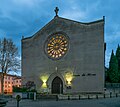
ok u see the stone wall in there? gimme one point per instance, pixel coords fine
(85, 56)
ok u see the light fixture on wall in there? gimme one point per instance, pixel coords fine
(44, 79)
(44, 85)
(69, 77)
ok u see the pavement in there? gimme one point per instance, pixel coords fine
(107, 102)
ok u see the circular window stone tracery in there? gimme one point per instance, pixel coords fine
(56, 46)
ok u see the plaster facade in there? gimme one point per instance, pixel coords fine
(84, 59)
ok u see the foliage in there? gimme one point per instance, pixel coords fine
(29, 87)
(30, 84)
(113, 69)
(19, 89)
(113, 73)
(22, 89)
(118, 56)
(9, 60)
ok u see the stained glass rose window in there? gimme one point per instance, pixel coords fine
(57, 46)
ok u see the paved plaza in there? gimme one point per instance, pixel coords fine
(108, 102)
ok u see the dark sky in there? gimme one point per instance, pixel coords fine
(25, 17)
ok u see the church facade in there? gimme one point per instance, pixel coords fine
(65, 56)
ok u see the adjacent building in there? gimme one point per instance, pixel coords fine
(9, 82)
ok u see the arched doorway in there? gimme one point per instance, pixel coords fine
(57, 86)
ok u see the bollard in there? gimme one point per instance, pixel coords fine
(96, 96)
(104, 95)
(110, 94)
(79, 97)
(56, 97)
(18, 98)
(34, 98)
(114, 90)
(88, 96)
(68, 97)
(116, 95)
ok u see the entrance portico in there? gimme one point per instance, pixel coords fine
(56, 83)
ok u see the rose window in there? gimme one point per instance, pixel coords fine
(57, 46)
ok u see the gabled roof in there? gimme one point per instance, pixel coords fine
(56, 18)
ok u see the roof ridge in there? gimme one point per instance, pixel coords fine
(86, 23)
(57, 17)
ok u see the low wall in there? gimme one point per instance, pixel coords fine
(22, 95)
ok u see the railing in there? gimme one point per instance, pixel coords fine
(112, 85)
(88, 96)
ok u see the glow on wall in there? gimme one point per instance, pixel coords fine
(44, 79)
(69, 77)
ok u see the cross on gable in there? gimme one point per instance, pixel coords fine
(56, 11)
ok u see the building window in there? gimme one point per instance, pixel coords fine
(5, 91)
(9, 78)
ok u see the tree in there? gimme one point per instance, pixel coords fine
(118, 56)
(9, 59)
(30, 84)
(113, 73)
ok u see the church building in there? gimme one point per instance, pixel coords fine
(65, 56)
